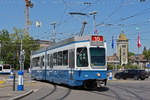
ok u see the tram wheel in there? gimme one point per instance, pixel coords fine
(90, 84)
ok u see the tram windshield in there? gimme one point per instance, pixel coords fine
(82, 57)
(6, 66)
(97, 56)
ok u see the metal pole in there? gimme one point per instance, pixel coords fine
(94, 27)
(21, 54)
(93, 14)
(25, 19)
(14, 81)
(139, 60)
(54, 31)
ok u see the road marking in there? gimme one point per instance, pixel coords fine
(1, 82)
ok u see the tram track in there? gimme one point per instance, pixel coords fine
(106, 94)
(54, 89)
(129, 93)
(60, 93)
(67, 94)
(142, 89)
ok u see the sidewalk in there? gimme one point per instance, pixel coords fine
(6, 88)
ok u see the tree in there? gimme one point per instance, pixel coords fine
(28, 44)
(10, 50)
(146, 54)
(5, 46)
(131, 54)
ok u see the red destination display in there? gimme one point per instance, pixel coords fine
(97, 38)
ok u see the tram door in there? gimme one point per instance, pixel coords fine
(71, 62)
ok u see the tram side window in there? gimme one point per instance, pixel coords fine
(42, 61)
(55, 59)
(48, 60)
(59, 58)
(51, 61)
(35, 62)
(82, 57)
(0, 68)
(65, 57)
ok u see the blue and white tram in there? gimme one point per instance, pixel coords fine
(77, 61)
(5, 68)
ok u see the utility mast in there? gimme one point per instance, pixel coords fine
(27, 21)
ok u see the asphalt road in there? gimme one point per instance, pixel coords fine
(115, 90)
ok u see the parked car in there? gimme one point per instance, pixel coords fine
(136, 74)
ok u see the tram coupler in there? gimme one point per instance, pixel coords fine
(101, 83)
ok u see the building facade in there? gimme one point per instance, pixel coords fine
(122, 49)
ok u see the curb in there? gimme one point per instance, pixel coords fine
(21, 96)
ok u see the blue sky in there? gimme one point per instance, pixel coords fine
(130, 13)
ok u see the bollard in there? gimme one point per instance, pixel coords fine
(20, 81)
(11, 74)
(14, 79)
(110, 75)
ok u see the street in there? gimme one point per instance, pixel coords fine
(115, 90)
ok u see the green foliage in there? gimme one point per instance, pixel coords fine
(119, 67)
(10, 49)
(130, 67)
(146, 53)
(110, 66)
(131, 54)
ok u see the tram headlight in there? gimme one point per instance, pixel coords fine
(98, 74)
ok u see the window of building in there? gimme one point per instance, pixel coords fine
(123, 46)
(124, 53)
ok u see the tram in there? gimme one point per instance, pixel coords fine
(77, 61)
(5, 69)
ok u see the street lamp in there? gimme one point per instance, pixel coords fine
(93, 13)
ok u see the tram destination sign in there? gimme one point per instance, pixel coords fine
(97, 41)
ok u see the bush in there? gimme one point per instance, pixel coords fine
(130, 67)
(110, 66)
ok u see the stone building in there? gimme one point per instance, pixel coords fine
(122, 49)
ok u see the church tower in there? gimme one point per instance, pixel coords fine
(122, 49)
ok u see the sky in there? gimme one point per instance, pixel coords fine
(112, 17)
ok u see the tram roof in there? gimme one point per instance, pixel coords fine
(63, 42)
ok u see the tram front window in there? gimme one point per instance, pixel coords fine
(97, 56)
(82, 57)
